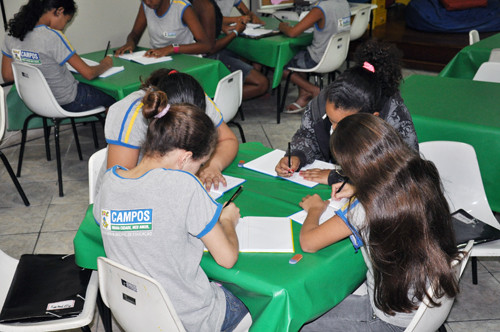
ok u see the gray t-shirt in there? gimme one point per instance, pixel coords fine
(227, 5)
(356, 217)
(153, 224)
(49, 50)
(337, 19)
(168, 29)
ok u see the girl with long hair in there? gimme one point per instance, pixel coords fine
(399, 217)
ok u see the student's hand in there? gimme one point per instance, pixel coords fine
(244, 19)
(257, 20)
(284, 27)
(228, 29)
(107, 62)
(211, 176)
(128, 47)
(282, 168)
(314, 202)
(159, 52)
(346, 192)
(230, 214)
(316, 175)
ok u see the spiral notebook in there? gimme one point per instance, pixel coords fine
(467, 228)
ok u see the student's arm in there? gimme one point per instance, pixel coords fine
(90, 72)
(205, 12)
(228, 30)
(221, 241)
(243, 9)
(236, 19)
(135, 35)
(123, 156)
(202, 44)
(313, 236)
(315, 15)
(7, 74)
(225, 152)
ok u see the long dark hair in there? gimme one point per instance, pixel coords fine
(183, 126)
(366, 88)
(29, 14)
(410, 235)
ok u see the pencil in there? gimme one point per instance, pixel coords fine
(107, 49)
(279, 19)
(342, 186)
(236, 194)
(289, 153)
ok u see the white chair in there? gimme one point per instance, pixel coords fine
(36, 94)
(463, 188)
(2, 156)
(488, 72)
(286, 15)
(473, 37)
(360, 23)
(494, 55)
(7, 271)
(228, 96)
(95, 163)
(334, 56)
(429, 319)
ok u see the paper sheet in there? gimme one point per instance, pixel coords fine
(140, 58)
(265, 234)
(231, 183)
(107, 73)
(300, 216)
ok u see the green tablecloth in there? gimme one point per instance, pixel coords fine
(274, 52)
(466, 63)
(207, 71)
(280, 296)
(460, 110)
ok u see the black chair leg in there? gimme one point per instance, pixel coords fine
(243, 140)
(242, 116)
(46, 134)
(14, 179)
(281, 105)
(58, 156)
(24, 133)
(105, 314)
(442, 328)
(94, 135)
(77, 140)
(86, 328)
(474, 269)
(278, 101)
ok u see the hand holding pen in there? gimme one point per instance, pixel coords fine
(107, 49)
(235, 195)
(342, 190)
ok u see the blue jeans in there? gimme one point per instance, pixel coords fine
(232, 62)
(87, 98)
(301, 60)
(235, 311)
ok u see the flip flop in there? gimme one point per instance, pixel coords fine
(298, 109)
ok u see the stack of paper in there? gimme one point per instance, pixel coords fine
(300, 216)
(231, 182)
(256, 32)
(265, 234)
(267, 163)
(109, 72)
(140, 58)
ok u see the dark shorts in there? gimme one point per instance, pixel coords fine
(87, 98)
(301, 60)
(235, 311)
(232, 62)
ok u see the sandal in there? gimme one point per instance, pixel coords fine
(295, 110)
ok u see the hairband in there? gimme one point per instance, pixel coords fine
(368, 66)
(163, 112)
(173, 71)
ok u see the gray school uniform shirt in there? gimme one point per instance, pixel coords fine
(337, 19)
(227, 5)
(168, 29)
(48, 50)
(154, 225)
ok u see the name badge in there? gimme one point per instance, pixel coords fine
(169, 35)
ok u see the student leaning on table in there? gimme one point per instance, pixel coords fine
(175, 214)
(126, 126)
(328, 18)
(173, 27)
(371, 86)
(399, 217)
(35, 37)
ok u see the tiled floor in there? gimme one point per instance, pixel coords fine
(50, 223)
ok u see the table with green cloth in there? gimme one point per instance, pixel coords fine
(207, 71)
(466, 63)
(279, 295)
(461, 110)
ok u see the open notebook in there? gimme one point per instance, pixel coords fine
(109, 72)
(265, 234)
(140, 58)
(231, 182)
(267, 163)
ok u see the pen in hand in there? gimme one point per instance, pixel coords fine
(107, 49)
(289, 152)
(236, 194)
(342, 186)
(279, 19)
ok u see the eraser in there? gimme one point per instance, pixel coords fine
(241, 163)
(295, 259)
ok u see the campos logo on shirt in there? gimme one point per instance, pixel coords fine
(26, 56)
(344, 22)
(127, 220)
(169, 34)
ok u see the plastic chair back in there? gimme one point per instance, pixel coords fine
(334, 56)
(95, 164)
(3, 116)
(431, 318)
(9, 266)
(495, 55)
(138, 302)
(286, 15)
(473, 37)
(36, 94)
(228, 94)
(488, 72)
(360, 23)
(303, 14)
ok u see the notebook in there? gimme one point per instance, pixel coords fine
(231, 182)
(265, 234)
(140, 58)
(334, 205)
(267, 163)
(107, 73)
(469, 228)
(257, 33)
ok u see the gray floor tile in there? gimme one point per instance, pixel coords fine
(55, 243)
(475, 326)
(39, 193)
(19, 244)
(19, 220)
(64, 217)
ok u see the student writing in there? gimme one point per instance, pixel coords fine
(35, 37)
